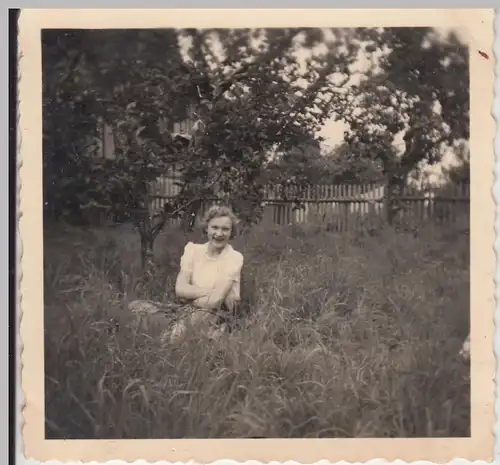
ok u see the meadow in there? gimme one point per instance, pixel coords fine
(344, 335)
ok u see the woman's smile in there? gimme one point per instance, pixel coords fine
(219, 231)
(220, 239)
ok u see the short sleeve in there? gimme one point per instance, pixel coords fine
(187, 259)
(235, 266)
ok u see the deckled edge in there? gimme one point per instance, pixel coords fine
(20, 397)
(495, 111)
(456, 461)
(256, 462)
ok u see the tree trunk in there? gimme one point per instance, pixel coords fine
(147, 237)
(395, 182)
(147, 251)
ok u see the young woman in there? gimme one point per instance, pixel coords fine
(210, 274)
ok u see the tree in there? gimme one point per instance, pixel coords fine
(412, 104)
(459, 172)
(295, 165)
(251, 95)
(69, 128)
(341, 165)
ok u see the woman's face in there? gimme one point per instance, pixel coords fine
(219, 231)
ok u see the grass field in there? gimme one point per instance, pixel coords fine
(348, 336)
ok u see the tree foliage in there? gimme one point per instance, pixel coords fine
(251, 92)
(459, 172)
(413, 103)
(343, 165)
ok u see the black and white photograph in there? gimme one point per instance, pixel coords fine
(257, 232)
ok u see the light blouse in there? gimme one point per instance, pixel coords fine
(205, 269)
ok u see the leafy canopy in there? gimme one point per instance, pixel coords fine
(413, 104)
(252, 93)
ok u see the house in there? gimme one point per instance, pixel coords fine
(107, 138)
(165, 185)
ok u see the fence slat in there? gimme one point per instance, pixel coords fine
(341, 207)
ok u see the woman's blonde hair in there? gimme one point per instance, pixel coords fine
(219, 211)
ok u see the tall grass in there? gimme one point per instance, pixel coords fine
(348, 336)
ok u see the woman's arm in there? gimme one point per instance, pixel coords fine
(216, 296)
(231, 302)
(221, 291)
(185, 290)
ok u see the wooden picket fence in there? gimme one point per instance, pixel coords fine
(344, 207)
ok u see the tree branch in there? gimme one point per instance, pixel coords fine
(165, 215)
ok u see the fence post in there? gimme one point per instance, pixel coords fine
(388, 200)
(346, 208)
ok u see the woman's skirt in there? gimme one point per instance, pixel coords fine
(173, 319)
